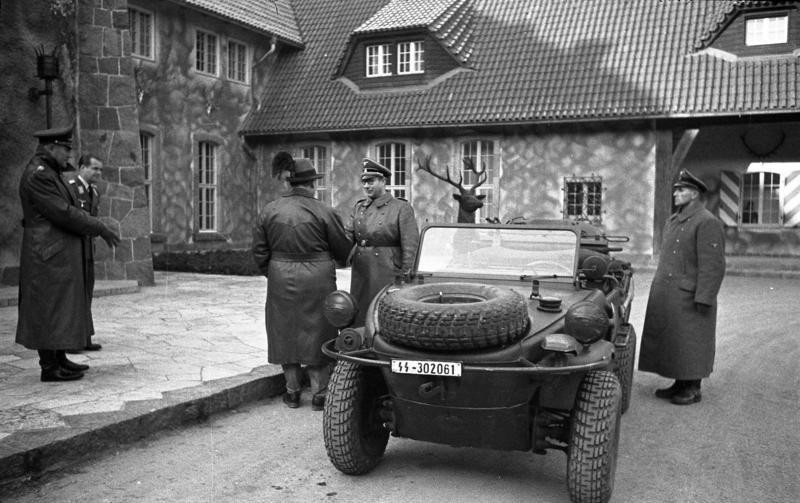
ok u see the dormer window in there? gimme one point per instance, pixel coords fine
(767, 30)
(410, 57)
(379, 60)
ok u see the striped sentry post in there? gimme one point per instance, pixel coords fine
(729, 198)
(791, 200)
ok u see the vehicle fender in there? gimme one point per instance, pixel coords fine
(560, 391)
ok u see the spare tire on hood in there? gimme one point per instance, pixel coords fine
(452, 316)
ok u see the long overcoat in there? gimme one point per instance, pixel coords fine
(88, 199)
(678, 341)
(386, 237)
(296, 244)
(51, 278)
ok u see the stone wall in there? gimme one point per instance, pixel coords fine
(108, 125)
(532, 167)
(95, 93)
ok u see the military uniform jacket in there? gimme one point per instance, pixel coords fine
(88, 199)
(51, 282)
(677, 341)
(296, 243)
(386, 237)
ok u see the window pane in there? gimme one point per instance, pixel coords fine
(766, 30)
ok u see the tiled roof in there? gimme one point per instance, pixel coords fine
(731, 10)
(273, 17)
(534, 61)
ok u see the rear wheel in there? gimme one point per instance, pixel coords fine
(624, 370)
(594, 438)
(355, 438)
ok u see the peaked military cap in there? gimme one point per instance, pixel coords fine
(373, 169)
(59, 136)
(686, 179)
(303, 171)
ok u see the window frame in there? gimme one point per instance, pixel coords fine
(246, 61)
(416, 57)
(761, 189)
(204, 33)
(491, 203)
(147, 144)
(398, 164)
(383, 66)
(762, 37)
(591, 199)
(151, 35)
(319, 158)
(206, 186)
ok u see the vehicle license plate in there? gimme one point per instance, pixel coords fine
(431, 368)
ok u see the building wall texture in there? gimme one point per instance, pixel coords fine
(95, 94)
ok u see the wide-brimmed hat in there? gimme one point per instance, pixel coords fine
(303, 171)
(372, 169)
(59, 136)
(686, 179)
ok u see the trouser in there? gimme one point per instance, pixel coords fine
(692, 384)
(51, 358)
(317, 374)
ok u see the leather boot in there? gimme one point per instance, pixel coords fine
(689, 394)
(52, 371)
(65, 363)
(292, 399)
(668, 393)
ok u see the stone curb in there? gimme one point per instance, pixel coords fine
(28, 454)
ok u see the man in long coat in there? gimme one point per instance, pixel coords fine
(52, 301)
(85, 194)
(385, 232)
(678, 340)
(296, 243)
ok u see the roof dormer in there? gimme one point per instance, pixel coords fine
(753, 29)
(408, 44)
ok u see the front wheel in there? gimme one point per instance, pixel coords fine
(594, 438)
(355, 438)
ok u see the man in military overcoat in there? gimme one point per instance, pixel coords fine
(297, 242)
(52, 301)
(678, 340)
(83, 183)
(386, 236)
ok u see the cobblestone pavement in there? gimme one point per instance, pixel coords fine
(184, 348)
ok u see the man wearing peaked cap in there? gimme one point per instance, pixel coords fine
(385, 232)
(52, 298)
(687, 179)
(372, 169)
(678, 340)
(297, 242)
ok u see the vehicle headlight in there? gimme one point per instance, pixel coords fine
(340, 308)
(586, 321)
(349, 339)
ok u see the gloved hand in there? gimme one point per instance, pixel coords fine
(110, 236)
(701, 308)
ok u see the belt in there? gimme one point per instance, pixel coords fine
(368, 242)
(300, 257)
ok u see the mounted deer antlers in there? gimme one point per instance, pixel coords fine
(468, 201)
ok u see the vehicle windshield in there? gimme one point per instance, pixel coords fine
(518, 252)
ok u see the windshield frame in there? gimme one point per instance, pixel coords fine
(567, 270)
